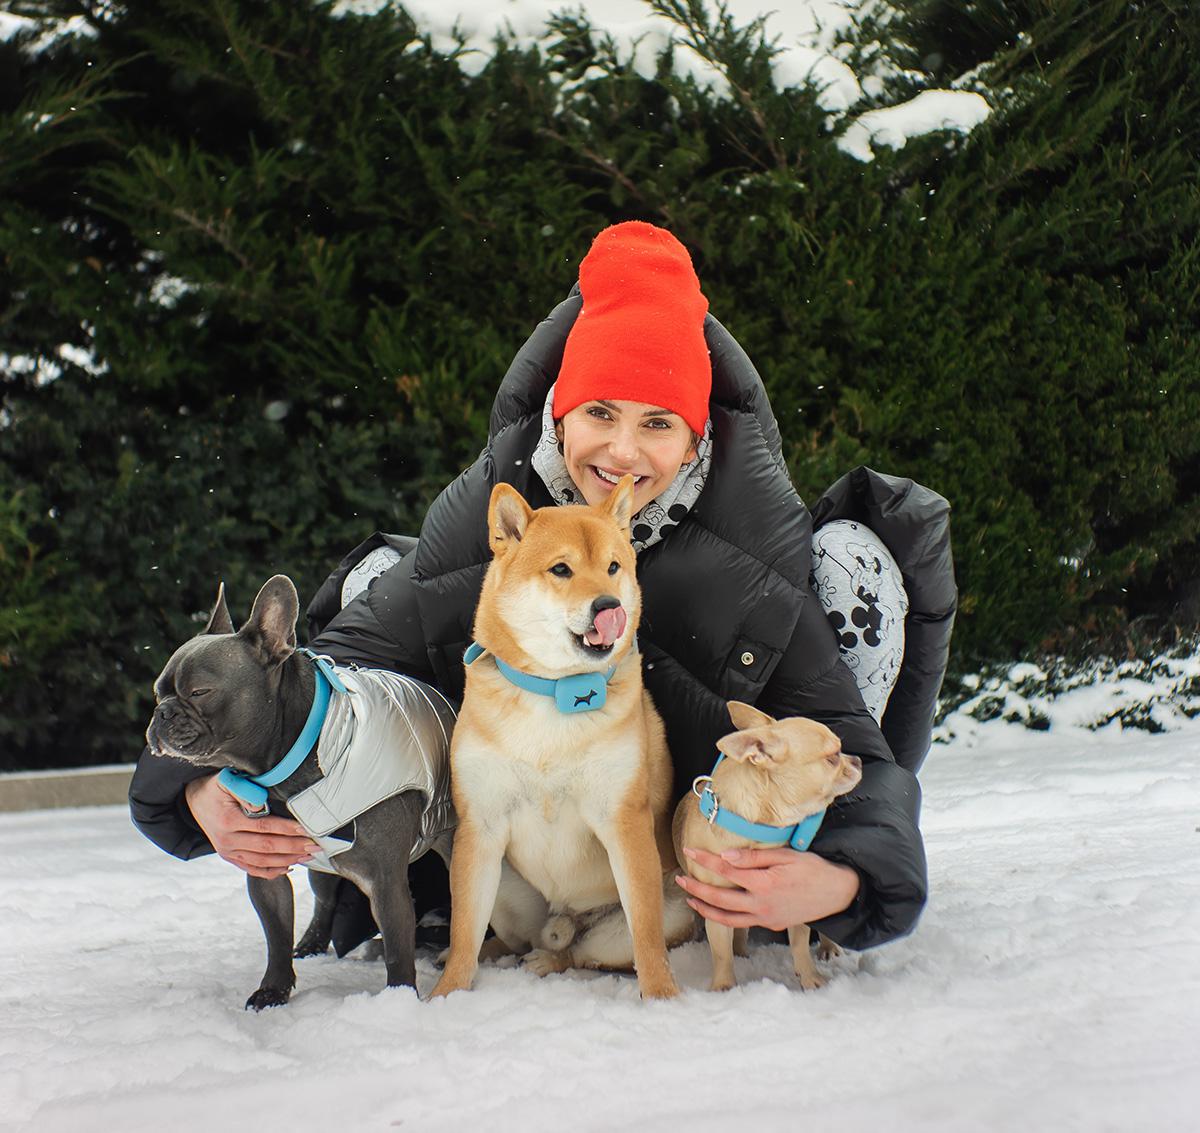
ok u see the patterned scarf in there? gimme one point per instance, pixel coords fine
(659, 516)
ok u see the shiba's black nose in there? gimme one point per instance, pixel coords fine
(604, 602)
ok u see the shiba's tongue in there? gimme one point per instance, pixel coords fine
(608, 626)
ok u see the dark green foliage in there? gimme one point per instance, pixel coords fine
(294, 253)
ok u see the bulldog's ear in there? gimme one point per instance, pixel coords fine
(747, 716)
(272, 624)
(508, 517)
(219, 620)
(744, 747)
(620, 503)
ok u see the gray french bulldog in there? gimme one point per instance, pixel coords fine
(239, 700)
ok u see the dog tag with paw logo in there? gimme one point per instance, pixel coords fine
(584, 692)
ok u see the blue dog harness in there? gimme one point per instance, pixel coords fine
(798, 837)
(580, 692)
(251, 790)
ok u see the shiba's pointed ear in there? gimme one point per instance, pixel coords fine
(219, 620)
(508, 516)
(620, 503)
(747, 716)
(745, 747)
(272, 624)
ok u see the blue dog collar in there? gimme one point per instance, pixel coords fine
(798, 837)
(251, 790)
(580, 692)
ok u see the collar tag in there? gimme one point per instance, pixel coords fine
(584, 692)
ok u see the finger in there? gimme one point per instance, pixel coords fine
(722, 916)
(261, 844)
(732, 900)
(246, 858)
(283, 826)
(762, 859)
(266, 872)
(744, 878)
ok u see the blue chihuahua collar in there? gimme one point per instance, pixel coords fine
(580, 692)
(798, 837)
(251, 790)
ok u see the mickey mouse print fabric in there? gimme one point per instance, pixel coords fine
(862, 592)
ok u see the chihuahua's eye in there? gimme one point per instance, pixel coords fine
(561, 570)
(613, 567)
(833, 760)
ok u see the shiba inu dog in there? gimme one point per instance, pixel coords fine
(559, 767)
(772, 784)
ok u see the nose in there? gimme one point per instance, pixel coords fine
(623, 447)
(604, 602)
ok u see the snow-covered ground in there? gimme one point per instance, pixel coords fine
(1053, 982)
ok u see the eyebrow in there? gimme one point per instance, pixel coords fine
(648, 413)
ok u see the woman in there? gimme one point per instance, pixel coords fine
(630, 375)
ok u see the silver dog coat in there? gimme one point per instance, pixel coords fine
(389, 735)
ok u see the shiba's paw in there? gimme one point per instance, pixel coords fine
(811, 982)
(721, 985)
(544, 963)
(658, 985)
(446, 985)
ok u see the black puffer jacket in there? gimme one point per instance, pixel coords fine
(727, 614)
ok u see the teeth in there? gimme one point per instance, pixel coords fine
(611, 478)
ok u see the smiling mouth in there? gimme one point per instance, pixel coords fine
(614, 478)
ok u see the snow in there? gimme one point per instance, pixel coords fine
(960, 111)
(806, 33)
(1052, 982)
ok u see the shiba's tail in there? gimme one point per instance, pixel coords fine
(558, 932)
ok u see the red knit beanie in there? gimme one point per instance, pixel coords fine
(640, 334)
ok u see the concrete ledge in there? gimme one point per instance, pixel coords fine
(83, 786)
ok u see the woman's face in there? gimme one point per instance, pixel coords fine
(605, 440)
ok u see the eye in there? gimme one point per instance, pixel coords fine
(598, 411)
(833, 760)
(196, 693)
(613, 567)
(659, 423)
(561, 570)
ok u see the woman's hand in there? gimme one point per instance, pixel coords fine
(263, 847)
(772, 888)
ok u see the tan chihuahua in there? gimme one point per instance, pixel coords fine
(770, 786)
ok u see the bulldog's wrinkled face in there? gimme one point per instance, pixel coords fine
(217, 699)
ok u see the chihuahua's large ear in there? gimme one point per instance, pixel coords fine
(744, 747)
(272, 624)
(747, 716)
(508, 516)
(620, 503)
(219, 620)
